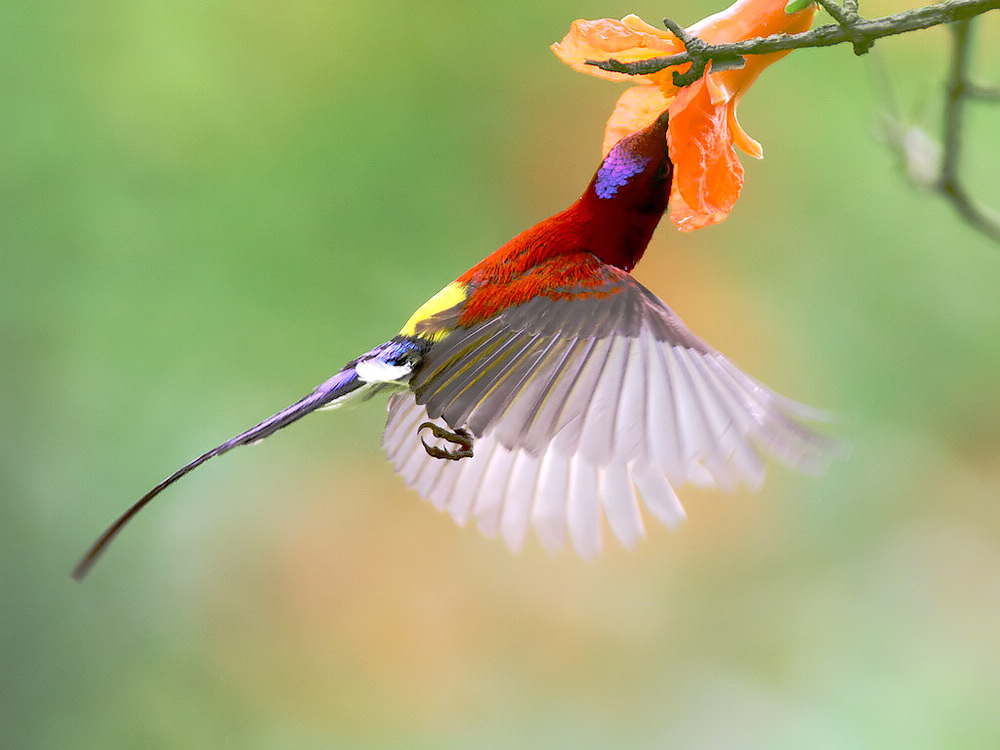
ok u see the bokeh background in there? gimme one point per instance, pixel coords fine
(207, 207)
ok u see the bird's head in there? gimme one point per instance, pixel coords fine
(637, 170)
(628, 195)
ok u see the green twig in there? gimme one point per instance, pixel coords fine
(957, 92)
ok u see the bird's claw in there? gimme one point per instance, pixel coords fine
(460, 438)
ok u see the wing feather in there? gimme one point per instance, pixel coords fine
(462, 497)
(548, 511)
(489, 499)
(471, 376)
(692, 428)
(658, 496)
(546, 422)
(530, 393)
(441, 489)
(506, 387)
(600, 404)
(663, 428)
(583, 508)
(412, 459)
(629, 436)
(573, 409)
(781, 432)
(719, 439)
(396, 430)
(517, 504)
(463, 345)
(746, 458)
(621, 507)
(587, 409)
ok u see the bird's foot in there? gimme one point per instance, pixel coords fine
(461, 438)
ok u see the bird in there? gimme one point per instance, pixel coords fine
(557, 392)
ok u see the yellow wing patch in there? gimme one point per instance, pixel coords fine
(451, 295)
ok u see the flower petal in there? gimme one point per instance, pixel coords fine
(637, 108)
(707, 173)
(606, 38)
(703, 124)
(746, 19)
(741, 138)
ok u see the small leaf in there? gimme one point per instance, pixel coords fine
(794, 6)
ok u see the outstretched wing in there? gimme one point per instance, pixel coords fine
(583, 407)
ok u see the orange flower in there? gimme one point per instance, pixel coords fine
(703, 125)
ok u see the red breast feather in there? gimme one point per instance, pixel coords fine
(568, 254)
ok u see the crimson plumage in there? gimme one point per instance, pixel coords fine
(581, 394)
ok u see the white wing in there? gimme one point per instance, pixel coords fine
(584, 408)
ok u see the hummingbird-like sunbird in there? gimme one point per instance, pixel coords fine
(555, 388)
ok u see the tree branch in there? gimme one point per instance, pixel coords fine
(917, 149)
(848, 19)
(934, 164)
(977, 91)
(850, 27)
(957, 91)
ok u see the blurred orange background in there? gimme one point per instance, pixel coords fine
(207, 208)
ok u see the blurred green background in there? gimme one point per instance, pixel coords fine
(207, 207)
